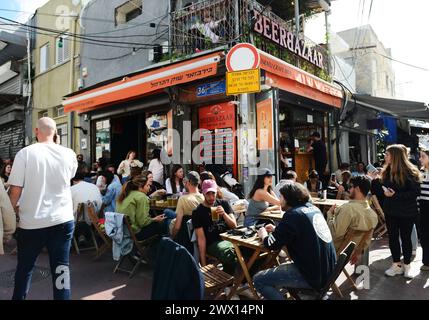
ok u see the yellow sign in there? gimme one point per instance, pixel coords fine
(245, 81)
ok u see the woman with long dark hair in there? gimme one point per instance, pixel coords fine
(5, 173)
(400, 181)
(156, 190)
(174, 184)
(424, 209)
(125, 166)
(134, 202)
(261, 197)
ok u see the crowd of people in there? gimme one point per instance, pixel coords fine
(47, 182)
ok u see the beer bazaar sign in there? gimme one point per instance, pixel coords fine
(286, 39)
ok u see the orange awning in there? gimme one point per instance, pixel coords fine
(287, 77)
(143, 84)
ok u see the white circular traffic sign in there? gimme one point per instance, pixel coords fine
(243, 56)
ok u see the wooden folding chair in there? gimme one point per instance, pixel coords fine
(342, 260)
(139, 246)
(357, 252)
(80, 219)
(381, 228)
(106, 241)
(215, 280)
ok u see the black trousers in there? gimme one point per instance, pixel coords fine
(400, 227)
(424, 230)
(155, 228)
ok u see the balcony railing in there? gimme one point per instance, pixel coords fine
(206, 25)
(218, 23)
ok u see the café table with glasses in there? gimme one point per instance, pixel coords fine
(277, 215)
(246, 237)
(158, 204)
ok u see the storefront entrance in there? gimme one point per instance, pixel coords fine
(141, 132)
(296, 124)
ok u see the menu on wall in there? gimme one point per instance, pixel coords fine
(217, 128)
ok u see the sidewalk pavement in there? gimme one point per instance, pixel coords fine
(96, 281)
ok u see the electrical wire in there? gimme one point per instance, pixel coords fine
(402, 62)
(60, 33)
(133, 25)
(342, 72)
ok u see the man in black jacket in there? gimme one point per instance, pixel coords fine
(305, 233)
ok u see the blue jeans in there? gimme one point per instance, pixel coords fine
(169, 216)
(57, 240)
(285, 275)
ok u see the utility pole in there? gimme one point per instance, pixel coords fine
(328, 46)
(296, 2)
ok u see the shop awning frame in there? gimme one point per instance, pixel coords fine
(144, 83)
(285, 76)
(402, 109)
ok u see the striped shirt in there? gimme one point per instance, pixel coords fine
(424, 193)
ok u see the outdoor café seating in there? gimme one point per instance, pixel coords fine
(342, 260)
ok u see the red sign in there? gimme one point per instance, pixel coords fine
(217, 129)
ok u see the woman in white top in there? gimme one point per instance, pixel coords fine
(174, 184)
(125, 166)
(7, 218)
(156, 167)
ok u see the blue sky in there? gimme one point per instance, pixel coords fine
(20, 5)
(11, 5)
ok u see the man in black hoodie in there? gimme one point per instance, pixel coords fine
(305, 233)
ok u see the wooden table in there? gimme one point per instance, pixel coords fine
(259, 252)
(277, 215)
(328, 202)
(162, 208)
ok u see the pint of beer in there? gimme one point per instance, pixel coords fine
(215, 215)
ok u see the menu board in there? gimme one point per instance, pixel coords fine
(217, 128)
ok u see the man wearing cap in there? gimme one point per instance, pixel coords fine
(187, 203)
(208, 230)
(319, 154)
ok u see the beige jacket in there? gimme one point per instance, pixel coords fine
(355, 215)
(8, 217)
